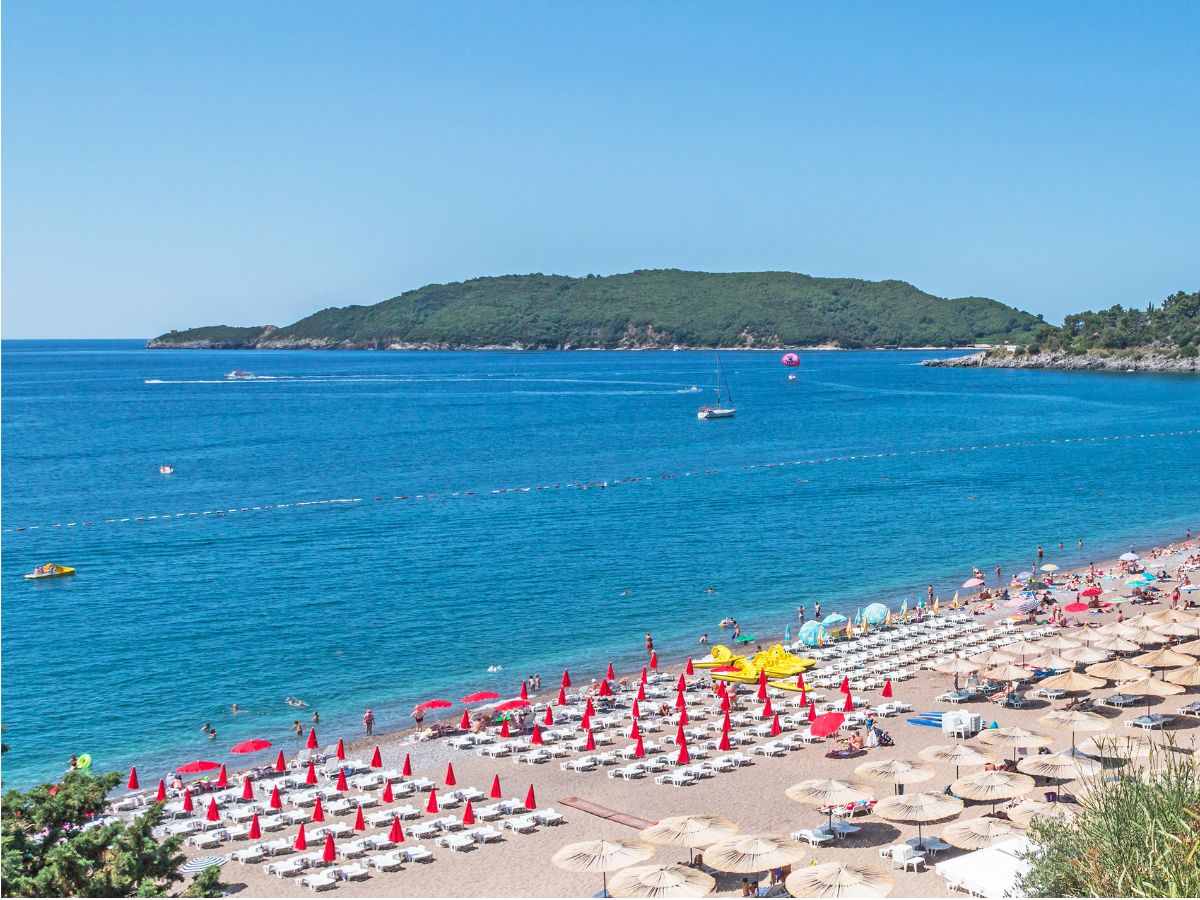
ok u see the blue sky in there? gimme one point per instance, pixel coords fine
(179, 164)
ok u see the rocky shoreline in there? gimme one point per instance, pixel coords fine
(1141, 362)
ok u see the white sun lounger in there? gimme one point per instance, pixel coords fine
(521, 824)
(319, 881)
(288, 868)
(390, 862)
(548, 816)
(249, 854)
(458, 842)
(419, 853)
(352, 873)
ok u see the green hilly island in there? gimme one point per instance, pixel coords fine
(650, 309)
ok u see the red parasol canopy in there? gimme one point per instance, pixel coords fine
(530, 800)
(591, 741)
(726, 724)
(510, 705)
(247, 788)
(200, 765)
(311, 743)
(654, 661)
(318, 813)
(767, 710)
(340, 753)
(605, 690)
(360, 822)
(689, 669)
(188, 805)
(1091, 592)
(341, 781)
(223, 779)
(887, 688)
(825, 725)
(723, 744)
(639, 749)
(680, 737)
(254, 746)
(255, 831)
(480, 696)
(589, 709)
(680, 701)
(641, 694)
(432, 805)
(681, 684)
(213, 814)
(161, 796)
(465, 722)
(645, 676)
(548, 719)
(406, 770)
(311, 777)
(848, 706)
(812, 711)
(396, 834)
(276, 801)
(634, 732)
(301, 842)
(434, 704)
(776, 728)
(496, 793)
(450, 779)
(280, 763)
(504, 729)
(845, 687)
(610, 674)
(725, 703)
(1076, 607)
(376, 758)
(562, 697)
(524, 695)
(329, 854)
(566, 679)
(388, 794)
(536, 737)
(468, 816)
(635, 710)
(132, 784)
(684, 757)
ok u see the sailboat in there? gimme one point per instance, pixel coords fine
(719, 411)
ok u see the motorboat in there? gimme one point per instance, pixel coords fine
(239, 375)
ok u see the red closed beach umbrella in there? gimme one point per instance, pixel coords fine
(654, 661)
(887, 688)
(376, 758)
(804, 696)
(360, 821)
(762, 690)
(645, 676)
(585, 723)
(450, 780)
(548, 719)
(311, 743)
(468, 816)
(591, 741)
(524, 695)
(161, 796)
(188, 805)
(396, 834)
(636, 710)
(566, 679)
(605, 690)
(465, 722)
(388, 794)
(247, 788)
(311, 777)
(536, 737)
(588, 708)
(610, 674)
(329, 854)
(812, 711)
(276, 802)
(776, 728)
(504, 731)
(280, 763)
(726, 724)
(432, 805)
(407, 769)
(634, 732)
(530, 800)
(301, 842)
(255, 831)
(767, 710)
(723, 744)
(562, 697)
(684, 757)
(690, 669)
(223, 779)
(683, 716)
(255, 746)
(199, 765)
(641, 694)
(132, 784)
(845, 687)
(724, 703)
(340, 753)
(213, 814)
(680, 701)
(681, 684)
(341, 781)
(495, 793)
(639, 749)
(848, 706)
(800, 682)
(680, 737)
(318, 813)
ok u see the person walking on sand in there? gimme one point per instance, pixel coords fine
(368, 723)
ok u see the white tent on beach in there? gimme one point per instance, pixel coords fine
(988, 873)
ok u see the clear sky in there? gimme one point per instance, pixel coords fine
(179, 164)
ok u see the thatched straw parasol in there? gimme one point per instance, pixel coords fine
(1014, 736)
(1057, 642)
(1115, 644)
(753, 853)
(839, 879)
(918, 808)
(1189, 675)
(992, 786)
(1149, 686)
(1191, 648)
(1176, 615)
(690, 831)
(1163, 657)
(957, 755)
(895, 771)
(993, 658)
(1071, 681)
(956, 666)
(1117, 670)
(1085, 655)
(1177, 629)
(1052, 661)
(601, 856)
(828, 792)
(1027, 810)
(1009, 672)
(1144, 636)
(661, 881)
(1063, 766)
(1073, 720)
(1124, 746)
(981, 832)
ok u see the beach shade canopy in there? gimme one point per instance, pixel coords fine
(661, 881)
(1116, 644)
(1008, 672)
(895, 771)
(1129, 557)
(1074, 720)
(1057, 642)
(973, 583)
(991, 786)
(1076, 607)
(980, 832)
(956, 665)
(1027, 810)
(829, 792)
(601, 856)
(1145, 636)
(1149, 686)
(480, 696)
(434, 704)
(1091, 592)
(311, 743)
(839, 879)
(1122, 746)
(1059, 765)
(509, 705)
(875, 613)
(1188, 676)
(1176, 629)
(1191, 648)
(1049, 567)
(199, 765)
(753, 853)
(1051, 660)
(1117, 670)
(254, 746)
(329, 853)
(1163, 657)
(198, 864)
(1014, 736)
(280, 763)
(1087, 655)
(957, 755)
(690, 831)
(827, 724)
(919, 808)
(1022, 604)
(1177, 615)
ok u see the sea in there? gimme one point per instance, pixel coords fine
(376, 529)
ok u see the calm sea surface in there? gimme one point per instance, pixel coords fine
(384, 602)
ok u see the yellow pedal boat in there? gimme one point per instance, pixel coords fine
(50, 570)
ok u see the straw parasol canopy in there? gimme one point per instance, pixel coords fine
(895, 771)
(1052, 661)
(1074, 720)
(920, 808)
(1085, 654)
(981, 832)
(1009, 672)
(1124, 746)
(1117, 670)
(1143, 636)
(753, 853)
(601, 856)
(839, 879)
(1022, 648)
(1059, 765)
(825, 791)
(1177, 629)
(1027, 810)
(661, 881)
(993, 658)
(1176, 615)
(991, 786)
(1116, 644)
(1057, 642)
(1014, 736)
(1163, 657)
(690, 831)
(1071, 681)
(1152, 687)
(957, 755)
(1192, 648)
(1188, 676)
(956, 665)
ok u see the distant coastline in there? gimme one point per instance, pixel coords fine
(1145, 360)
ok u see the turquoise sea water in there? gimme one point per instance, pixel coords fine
(385, 602)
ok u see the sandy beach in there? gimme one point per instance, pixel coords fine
(752, 795)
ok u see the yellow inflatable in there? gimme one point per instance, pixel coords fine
(720, 656)
(775, 661)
